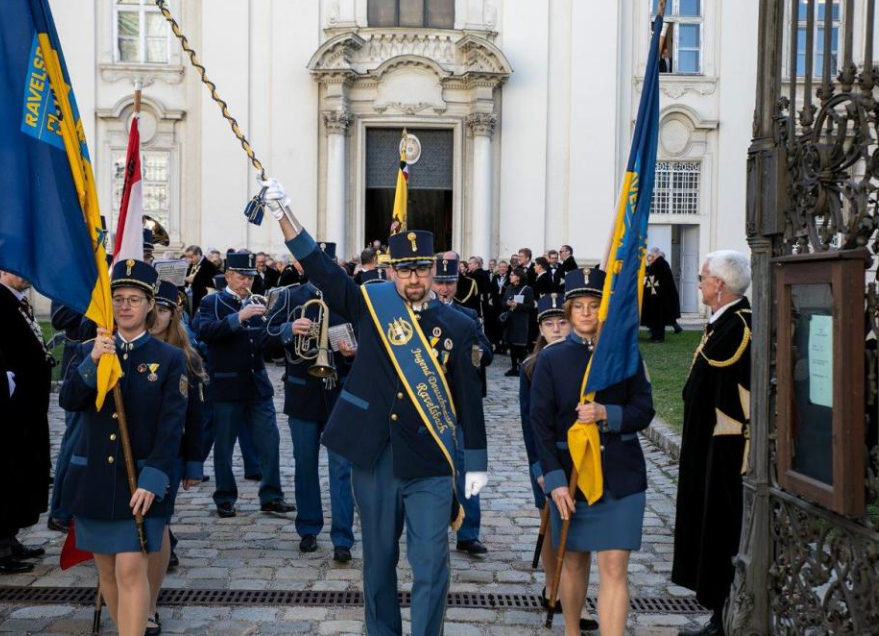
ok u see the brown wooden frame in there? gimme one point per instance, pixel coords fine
(844, 272)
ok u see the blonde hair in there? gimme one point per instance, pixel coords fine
(176, 335)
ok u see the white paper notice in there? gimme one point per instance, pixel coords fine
(821, 360)
(519, 299)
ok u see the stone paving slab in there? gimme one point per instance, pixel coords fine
(259, 551)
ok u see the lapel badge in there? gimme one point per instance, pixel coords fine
(153, 367)
(447, 344)
(437, 332)
(141, 368)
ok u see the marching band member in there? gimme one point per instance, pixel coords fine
(612, 524)
(308, 402)
(234, 331)
(396, 419)
(444, 285)
(155, 389)
(188, 469)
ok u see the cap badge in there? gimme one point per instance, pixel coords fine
(323, 247)
(129, 264)
(411, 238)
(586, 272)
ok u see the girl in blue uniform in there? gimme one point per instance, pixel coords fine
(154, 388)
(170, 327)
(612, 525)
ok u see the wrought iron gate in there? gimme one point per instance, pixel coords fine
(813, 184)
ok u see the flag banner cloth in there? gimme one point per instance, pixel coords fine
(129, 232)
(616, 353)
(402, 193)
(50, 224)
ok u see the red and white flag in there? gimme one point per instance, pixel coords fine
(129, 229)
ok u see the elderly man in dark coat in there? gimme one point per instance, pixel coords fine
(713, 449)
(24, 453)
(661, 303)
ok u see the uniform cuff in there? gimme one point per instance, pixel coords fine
(193, 470)
(88, 371)
(554, 479)
(302, 245)
(536, 471)
(476, 461)
(614, 417)
(234, 322)
(154, 480)
(287, 333)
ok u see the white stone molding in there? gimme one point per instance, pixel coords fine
(336, 121)
(481, 124)
(674, 86)
(147, 73)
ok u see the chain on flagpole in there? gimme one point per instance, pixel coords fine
(233, 123)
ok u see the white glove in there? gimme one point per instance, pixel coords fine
(473, 483)
(10, 377)
(276, 197)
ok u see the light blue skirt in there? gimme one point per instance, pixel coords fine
(608, 524)
(112, 537)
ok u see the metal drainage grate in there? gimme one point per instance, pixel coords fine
(86, 596)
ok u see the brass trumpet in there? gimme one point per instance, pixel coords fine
(159, 233)
(315, 345)
(256, 299)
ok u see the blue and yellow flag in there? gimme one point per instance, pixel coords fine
(616, 354)
(50, 224)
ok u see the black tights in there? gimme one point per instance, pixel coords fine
(517, 355)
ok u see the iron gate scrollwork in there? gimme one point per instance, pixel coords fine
(813, 186)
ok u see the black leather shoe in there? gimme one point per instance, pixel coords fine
(588, 625)
(20, 551)
(174, 561)
(226, 510)
(253, 477)
(512, 373)
(11, 565)
(544, 602)
(711, 629)
(205, 478)
(341, 555)
(308, 543)
(154, 625)
(471, 547)
(278, 506)
(58, 525)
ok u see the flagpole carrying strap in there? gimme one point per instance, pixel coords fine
(193, 58)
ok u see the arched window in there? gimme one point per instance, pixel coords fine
(436, 14)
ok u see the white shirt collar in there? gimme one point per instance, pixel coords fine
(135, 339)
(18, 294)
(717, 314)
(232, 293)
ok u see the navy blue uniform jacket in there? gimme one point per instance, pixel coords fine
(235, 360)
(555, 393)
(96, 485)
(305, 396)
(373, 408)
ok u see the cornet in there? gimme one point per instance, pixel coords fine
(315, 345)
(256, 299)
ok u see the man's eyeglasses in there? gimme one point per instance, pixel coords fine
(701, 278)
(132, 301)
(422, 271)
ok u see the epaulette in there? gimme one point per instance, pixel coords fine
(743, 345)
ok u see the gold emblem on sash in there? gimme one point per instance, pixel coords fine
(399, 332)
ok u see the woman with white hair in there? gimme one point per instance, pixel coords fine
(716, 407)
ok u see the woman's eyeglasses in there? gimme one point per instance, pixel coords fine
(131, 301)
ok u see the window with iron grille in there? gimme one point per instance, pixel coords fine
(435, 14)
(141, 33)
(818, 39)
(676, 187)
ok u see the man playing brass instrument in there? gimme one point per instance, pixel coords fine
(412, 383)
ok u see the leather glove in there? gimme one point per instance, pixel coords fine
(473, 483)
(276, 197)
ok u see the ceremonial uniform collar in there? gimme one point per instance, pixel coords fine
(573, 337)
(229, 291)
(19, 295)
(717, 314)
(431, 303)
(131, 345)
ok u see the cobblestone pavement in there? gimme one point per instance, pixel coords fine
(258, 551)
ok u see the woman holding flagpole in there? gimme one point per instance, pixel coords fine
(154, 390)
(607, 510)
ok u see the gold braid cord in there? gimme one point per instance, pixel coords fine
(746, 340)
(236, 129)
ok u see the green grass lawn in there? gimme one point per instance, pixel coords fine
(668, 365)
(58, 351)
